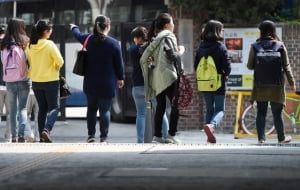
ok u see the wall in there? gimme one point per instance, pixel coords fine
(195, 112)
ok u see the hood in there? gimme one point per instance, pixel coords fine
(42, 43)
(208, 48)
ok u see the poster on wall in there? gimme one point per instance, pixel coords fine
(238, 42)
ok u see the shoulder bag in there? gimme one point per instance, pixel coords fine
(79, 66)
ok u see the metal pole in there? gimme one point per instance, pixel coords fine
(15, 9)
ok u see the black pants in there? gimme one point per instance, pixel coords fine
(161, 109)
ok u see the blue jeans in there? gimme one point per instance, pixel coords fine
(47, 96)
(104, 106)
(215, 107)
(17, 93)
(138, 94)
(262, 108)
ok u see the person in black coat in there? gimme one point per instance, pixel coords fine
(104, 74)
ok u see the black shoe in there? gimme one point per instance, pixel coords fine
(103, 140)
(21, 139)
(91, 139)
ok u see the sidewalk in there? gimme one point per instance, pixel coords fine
(75, 131)
(71, 163)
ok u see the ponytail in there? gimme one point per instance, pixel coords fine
(151, 32)
(101, 23)
(34, 37)
(38, 29)
(158, 24)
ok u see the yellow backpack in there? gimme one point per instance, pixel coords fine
(208, 78)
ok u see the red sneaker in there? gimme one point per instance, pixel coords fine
(209, 131)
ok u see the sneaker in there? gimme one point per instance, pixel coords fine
(209, 131)
(287, 139)
(91, 139)
(46, 136)
(158, 140)
(30, 139)
(21, 139)
(103, 140)
(14, 140)
(261, 141)
(172, 140)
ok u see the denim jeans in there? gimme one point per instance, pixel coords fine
(262, 108)
(17, 93)
(138, 94)
(161, 110)
(47, 96)
(104, 106)
(215, 107)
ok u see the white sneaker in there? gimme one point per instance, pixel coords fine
(172, 139)
(158, 140)
(287, 139)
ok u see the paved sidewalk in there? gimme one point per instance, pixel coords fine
(70, 163)
(74, 130)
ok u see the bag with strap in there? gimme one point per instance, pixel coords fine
(79, 66)
(268, 70)
(184, 92)
(15, 67)
(208, 78)
(64, 88)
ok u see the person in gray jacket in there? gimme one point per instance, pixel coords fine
(160, 75)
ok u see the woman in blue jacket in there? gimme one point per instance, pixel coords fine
(211, 44)
(104, 74)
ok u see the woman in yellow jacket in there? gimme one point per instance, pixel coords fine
(45, 62)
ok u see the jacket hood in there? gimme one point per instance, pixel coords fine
(42, 43)
(208, 47)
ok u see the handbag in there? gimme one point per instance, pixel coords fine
(64, 88)
(81, 59)
(184, 94)
(184, 91)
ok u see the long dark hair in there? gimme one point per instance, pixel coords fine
(267, 29)
(212, 31)
(38, 29)
(158, 24)
(101, 23)
(15, 34)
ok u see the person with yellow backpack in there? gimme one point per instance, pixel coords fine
(212, 65)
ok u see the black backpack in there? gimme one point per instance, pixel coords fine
(268, 70)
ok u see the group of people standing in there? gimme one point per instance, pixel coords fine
(155, 77)
(38, 62)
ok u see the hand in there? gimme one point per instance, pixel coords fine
(293, 88)
(181, 49)
(120, 83)
(71, 26)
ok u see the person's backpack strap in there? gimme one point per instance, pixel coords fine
(275, 46)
